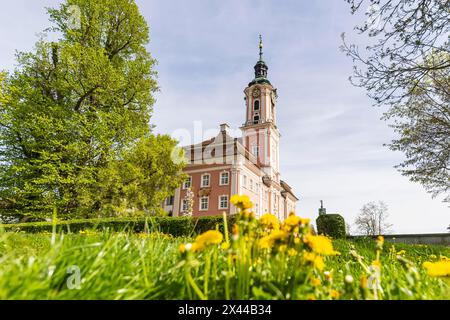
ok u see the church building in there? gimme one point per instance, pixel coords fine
(223, 166)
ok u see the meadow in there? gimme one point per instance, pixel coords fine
(254, 259)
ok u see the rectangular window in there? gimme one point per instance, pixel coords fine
(256, 208)
(275, 208)
(206, 180)
(204, 203)
(187, 183)
(224, 178)
(244, 181)
(255, 151)
(251, 184)
(169, 201)
(223, 202)
(185, 205)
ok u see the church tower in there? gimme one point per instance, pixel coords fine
(260, 133)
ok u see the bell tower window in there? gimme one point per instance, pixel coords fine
(256, 119)
(256, 106)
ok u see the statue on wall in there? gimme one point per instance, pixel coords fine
(322, 210)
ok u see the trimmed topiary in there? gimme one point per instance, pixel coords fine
(332, 225)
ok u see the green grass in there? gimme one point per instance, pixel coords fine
(397, 283)
(127, 266)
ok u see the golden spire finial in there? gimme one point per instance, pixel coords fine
(260, 47)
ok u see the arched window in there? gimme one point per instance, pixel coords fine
(256, 105)
(256, 119)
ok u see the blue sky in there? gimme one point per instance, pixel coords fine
(332, 138)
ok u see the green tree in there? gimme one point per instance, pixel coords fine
(140, 182)
(422, 124)
(405, 66)
(75, 107)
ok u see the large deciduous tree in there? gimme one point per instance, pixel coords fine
(372, 220)
(75, 108)
(406, 67)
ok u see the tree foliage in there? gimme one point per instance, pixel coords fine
(140, 182)
(372, 219)
(74, 107)
(406, 67)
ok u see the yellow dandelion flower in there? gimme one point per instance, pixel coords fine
(304, 222)
(364, 282)
(278, 235)
(182, 248)
(292, 252)
(316, 282)
(401, 252)
(318, 263)
(241, 201)
(265, 243)
(197, 247)
(235, 229)
(376, 263)
(269, 221)
(311, 297)
(309, 256)
(143, 235)
(209, 237)
(380, 242)
(334, 294)
(314, 259)
(291, 221)
(438, 269)
(320, 244)
(248, 214)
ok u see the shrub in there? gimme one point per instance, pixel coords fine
(209, 223)
(177, 227)
(332, 225)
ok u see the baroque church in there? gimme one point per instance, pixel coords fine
(223, 166)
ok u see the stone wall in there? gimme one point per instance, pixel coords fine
(430, 238)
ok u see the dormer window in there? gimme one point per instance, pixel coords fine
(256, 106)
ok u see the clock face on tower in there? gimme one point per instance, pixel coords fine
(256, 93)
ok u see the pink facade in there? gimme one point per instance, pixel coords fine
(215, 189)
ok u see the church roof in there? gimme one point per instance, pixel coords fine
(287, 188)
(223, 143)
(259, 80)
